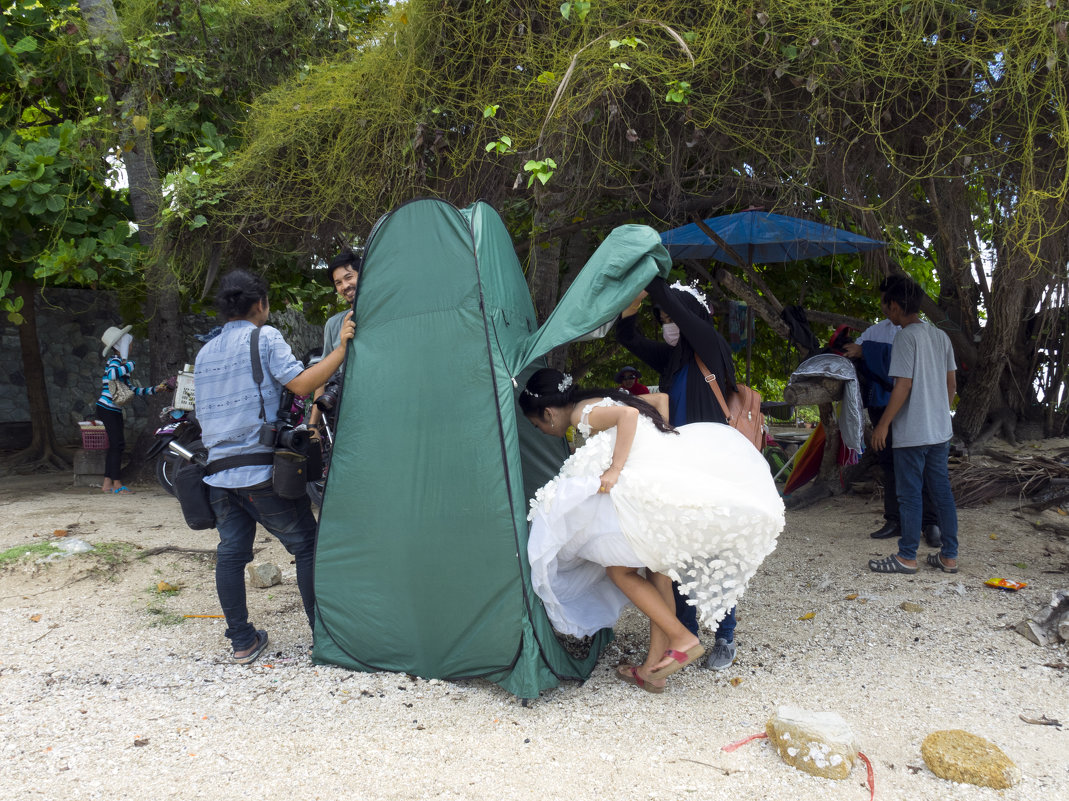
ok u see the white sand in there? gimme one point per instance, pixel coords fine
(87, 672)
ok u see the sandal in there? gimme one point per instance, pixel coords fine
(680, 659)
(889, 565)
(630, 676)
(257, 649)
(124, 490)
(936, 560)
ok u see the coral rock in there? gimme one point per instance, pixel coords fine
(819, 743)
(959, 756)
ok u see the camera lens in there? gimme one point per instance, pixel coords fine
(295, 439)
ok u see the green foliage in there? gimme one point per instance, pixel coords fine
(20, 553)
(542, 170)
(581, 9)
(59, 222)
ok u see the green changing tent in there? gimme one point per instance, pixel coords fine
(421, 563)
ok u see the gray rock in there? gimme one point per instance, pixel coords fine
(819, 743)
(263, 574)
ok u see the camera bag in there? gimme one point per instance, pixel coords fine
(289, 473)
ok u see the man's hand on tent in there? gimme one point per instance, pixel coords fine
(348, 330)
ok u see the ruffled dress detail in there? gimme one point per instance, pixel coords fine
(699, 506)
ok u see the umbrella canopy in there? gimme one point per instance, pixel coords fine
(758, 237)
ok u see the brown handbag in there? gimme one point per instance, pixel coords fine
(743, 412)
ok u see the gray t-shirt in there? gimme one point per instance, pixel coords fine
(332, 331)
(923, 353)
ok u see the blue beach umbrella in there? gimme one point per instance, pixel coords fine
(759, 237)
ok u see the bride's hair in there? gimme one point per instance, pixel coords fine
(548, 388)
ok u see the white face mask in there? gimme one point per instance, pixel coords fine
(670, 332)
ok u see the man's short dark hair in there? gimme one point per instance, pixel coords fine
(239, 291)
(906, 293)
(347, 258)
(891, 280)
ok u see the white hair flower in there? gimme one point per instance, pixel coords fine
(692, 289)
(564, 383)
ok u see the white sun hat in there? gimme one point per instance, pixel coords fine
(112, 336)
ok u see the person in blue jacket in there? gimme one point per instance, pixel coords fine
(688, 333)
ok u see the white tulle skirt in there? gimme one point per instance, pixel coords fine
(699, 506)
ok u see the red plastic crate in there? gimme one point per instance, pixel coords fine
(94, 439)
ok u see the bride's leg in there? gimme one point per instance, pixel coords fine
(652, 596)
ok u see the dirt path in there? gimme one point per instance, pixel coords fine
(107, 691)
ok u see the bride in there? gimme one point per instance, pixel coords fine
(640, 505)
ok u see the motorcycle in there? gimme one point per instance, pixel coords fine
(180, 426)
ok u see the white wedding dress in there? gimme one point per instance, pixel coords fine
(699, 506)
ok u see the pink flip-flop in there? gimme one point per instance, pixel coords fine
(630, 676)
(680, 659)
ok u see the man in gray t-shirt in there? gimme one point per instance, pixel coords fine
(918, 415)
(344, 275)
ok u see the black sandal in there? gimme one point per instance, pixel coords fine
(257, 649)
(889, 565)
(936, 560)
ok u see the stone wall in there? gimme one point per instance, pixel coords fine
(69, 325)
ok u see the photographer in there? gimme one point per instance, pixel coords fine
(236, 415)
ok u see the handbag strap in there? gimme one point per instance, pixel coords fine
(710, 379)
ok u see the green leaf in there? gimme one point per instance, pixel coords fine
(27, 44)
(55, 204)
(198, 221)
(491, 111)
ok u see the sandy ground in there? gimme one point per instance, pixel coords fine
(107, 692)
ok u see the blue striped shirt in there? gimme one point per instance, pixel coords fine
(118, 370)
(228, 404)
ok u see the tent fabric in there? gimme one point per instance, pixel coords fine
(421, 560)
(760, 237)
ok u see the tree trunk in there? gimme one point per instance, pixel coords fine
(162, 305)
(43, 449)
(983, 382)
(543, 271)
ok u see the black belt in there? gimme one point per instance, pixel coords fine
(244, 460)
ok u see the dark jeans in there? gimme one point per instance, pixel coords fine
(925, 466)
(236, 514)
(886, 460)
(112, 421)
(688, 616)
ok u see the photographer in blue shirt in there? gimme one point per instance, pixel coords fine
(233, 409)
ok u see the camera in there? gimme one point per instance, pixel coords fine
(331, 392)
(282, 434)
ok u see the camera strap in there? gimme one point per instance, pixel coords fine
(257, 368)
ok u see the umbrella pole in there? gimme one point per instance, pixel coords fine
(749, 340)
